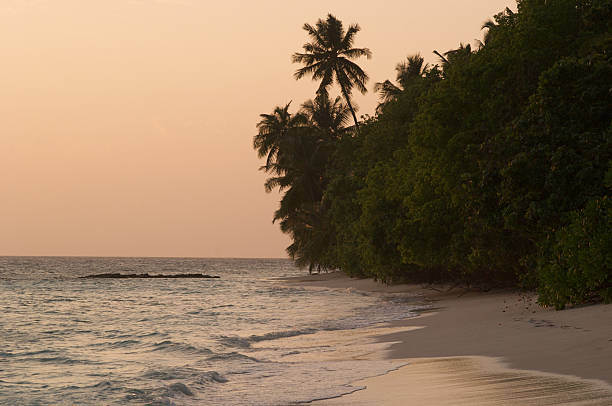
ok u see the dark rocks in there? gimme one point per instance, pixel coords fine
(147, 276)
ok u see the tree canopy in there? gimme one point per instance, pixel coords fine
(492, 167)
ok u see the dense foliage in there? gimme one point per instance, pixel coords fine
(490, 168)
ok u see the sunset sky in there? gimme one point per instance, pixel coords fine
(127, 125)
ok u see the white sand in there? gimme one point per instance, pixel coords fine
(486, 349)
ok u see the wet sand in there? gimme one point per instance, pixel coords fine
(477, 348)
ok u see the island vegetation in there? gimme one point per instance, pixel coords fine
(491, 167)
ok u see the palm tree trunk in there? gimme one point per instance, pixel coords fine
(350, 106)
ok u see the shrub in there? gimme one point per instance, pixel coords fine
(577, 264)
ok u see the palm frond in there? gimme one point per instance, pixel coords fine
(353, 53)
(349, 37)
(314, 34)
(309, 69)
(356, 75)
(332, 30)
(442, 58)
(387, 91)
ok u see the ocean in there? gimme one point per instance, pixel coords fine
(241, 339)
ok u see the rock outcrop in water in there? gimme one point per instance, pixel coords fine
(147, 276)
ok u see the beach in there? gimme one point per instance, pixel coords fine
(489, 348)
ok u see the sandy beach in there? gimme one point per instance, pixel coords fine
(494, 348)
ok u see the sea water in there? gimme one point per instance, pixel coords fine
(242, 339)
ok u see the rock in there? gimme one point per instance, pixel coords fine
(147, 276)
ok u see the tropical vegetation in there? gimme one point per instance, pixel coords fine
(492, 167)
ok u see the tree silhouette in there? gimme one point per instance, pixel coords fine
(328, 55)
(413, 67)
(273, 129)
(329, 117)
(298, 147)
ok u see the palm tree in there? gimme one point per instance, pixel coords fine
(298, 166)
(492, 25)
(328, 58)
(329, 117)
(298, 147)
(300, 211)
(273, 129)
(298, 143)
(407, 71)
(303, 151)
(298, 170)
(462, 52)
(454, 55)
(442, 58)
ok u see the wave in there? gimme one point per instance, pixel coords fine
(179, 388)
(47, 356)
(102, 385)
(124, 343)
(63, 360)
(190, 374)
(231, 356)
(282, 334)
(167, 375)
(234, 341)
(27, 354)
(245, 342)
(168, 345)
(212, 376)
(151, 334)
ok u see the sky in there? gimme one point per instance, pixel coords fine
(126, 126)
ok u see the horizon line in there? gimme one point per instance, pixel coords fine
(134, 256)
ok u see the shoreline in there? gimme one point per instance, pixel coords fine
(515, 351)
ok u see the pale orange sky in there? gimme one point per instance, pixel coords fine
(126, 125)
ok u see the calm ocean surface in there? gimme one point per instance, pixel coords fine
(239, 340)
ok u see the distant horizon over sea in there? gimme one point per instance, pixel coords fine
(240, 339)
(139, 256)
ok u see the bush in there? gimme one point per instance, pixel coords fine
(577, 265)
